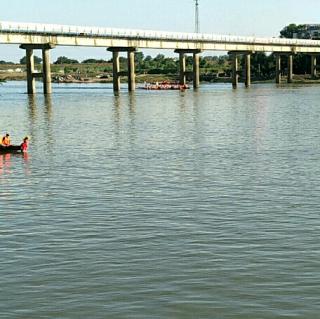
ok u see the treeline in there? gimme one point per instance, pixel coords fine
(262, 65)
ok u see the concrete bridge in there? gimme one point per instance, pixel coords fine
(33, 36)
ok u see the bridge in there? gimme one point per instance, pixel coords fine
(34, 36)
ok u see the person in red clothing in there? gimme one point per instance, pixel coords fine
(24, 144)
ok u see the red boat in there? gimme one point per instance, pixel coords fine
(165, 86)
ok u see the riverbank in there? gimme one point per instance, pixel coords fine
(19, 74)
(76, 78)
(141, 79)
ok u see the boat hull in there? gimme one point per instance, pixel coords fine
(10, 149)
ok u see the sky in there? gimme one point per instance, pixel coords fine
(234, 17)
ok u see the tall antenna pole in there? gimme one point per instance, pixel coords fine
(197, 21)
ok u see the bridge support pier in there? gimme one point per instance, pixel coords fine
(182, 71)
(196, 70)
(235, 67)
(278, 68)
(290, 68)
(235, 76)
(182, 66)
(116, 70)
(31, 83)
(248, 69)
(313, 66)
(116, 67)
(46, 69)
(131, 72)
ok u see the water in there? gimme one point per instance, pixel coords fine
(161, 204)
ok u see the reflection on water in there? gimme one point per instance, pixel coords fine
(5, 163)
(6, 160)
(40, 115)
(161, 204)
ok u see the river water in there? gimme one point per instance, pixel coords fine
(167, 204)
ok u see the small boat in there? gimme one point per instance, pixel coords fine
(10, 149)
(165, 86)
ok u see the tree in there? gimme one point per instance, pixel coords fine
(65, 60)
(260, 65)
(223, 59)
(148, 58)
(292, 29)
(203, 62)
(5, 62)
(94, 61)
(37, 60)
(159, 57)
(138, 57)
(301, 63)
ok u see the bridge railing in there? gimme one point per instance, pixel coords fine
(66, 30)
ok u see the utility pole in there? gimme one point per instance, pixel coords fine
(197, 21)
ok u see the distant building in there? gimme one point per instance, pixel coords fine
(308, 31)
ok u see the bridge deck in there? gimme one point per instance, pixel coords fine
(21, 33)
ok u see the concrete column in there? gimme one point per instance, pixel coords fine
(313, 66)
(278, 68)
(235, 76)
(30, 70)
(248, 70)
(182, 63)
(290, 68)
(131, 71)
(116, 70)
(196, 70)
(116, 67)
(46, 71)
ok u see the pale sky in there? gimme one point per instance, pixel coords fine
(236, 17)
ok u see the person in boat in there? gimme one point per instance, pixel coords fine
(6, 140)
(24, 145)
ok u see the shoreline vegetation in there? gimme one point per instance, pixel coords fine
(213, 69)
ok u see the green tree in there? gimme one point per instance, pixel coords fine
(93, 61)
(261, 68)
(148, 58)
(290, 30)
(138, 57)
(37, 60)
(5, 62)
(65, 60)
(159, 57)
